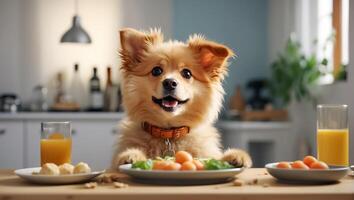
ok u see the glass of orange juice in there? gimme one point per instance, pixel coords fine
(55, 142)
(333, 134)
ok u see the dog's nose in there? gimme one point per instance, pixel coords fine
(170, 84)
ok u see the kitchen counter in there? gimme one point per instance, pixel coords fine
(253, 125)
(120, 115)
(12, 187)
(61, 115)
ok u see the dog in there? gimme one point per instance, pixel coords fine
(172, 94)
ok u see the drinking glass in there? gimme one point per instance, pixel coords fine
(55, 142)
(333, 134)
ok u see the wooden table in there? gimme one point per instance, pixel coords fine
(12, 187)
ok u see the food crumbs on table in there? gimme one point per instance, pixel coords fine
(91, 185)
(238, 183)
(265, 185)
(120, 185)
(108, 178)
(255, 181)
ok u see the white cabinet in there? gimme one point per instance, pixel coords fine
(94, 136)
(93, 142)
(11, 144)
(265, 141)
(32, 138)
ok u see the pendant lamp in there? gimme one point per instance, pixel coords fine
(76, 34)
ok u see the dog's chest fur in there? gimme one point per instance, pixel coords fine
(200, 142)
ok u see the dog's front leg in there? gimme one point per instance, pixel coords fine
(128, 156)
(237, 158)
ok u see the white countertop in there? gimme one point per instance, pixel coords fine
(225, 124)
(229, 124)
(62, 115)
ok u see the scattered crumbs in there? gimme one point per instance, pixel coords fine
(238, 183)
(120, 185)
(265, 173)
(265, 185)
(255, 181)
(108, 178)
(91, 185)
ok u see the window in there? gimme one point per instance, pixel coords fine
(333, 38)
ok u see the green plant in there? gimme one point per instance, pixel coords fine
(341, 75)
(293, 73)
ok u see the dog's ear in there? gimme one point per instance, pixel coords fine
(211, 56)
(135, 43)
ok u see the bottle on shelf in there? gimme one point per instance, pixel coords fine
(59, 86)
(110, 95)
(39, 102)
(96, 96)
(62, 101)
(77, 90)
(119, 98)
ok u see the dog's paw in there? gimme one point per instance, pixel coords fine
(237, 158)
(130, 156)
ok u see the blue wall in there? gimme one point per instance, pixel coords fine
(240, 24)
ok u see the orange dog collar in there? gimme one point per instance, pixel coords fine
(166, 133)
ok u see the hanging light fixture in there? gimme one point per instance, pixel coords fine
(76, 34)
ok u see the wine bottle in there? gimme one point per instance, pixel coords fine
(110, 95)
(96, 96)
(77, 88)
(59, 86)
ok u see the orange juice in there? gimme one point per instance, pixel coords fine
(333, 146)
(56, 150)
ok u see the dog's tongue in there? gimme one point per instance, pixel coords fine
(169, 104)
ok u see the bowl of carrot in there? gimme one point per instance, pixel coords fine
(308, 170)
(181, 169)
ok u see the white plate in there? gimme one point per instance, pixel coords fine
(28, 175)
(313, 175)
(180, 177)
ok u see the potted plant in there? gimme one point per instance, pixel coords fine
(293, 74)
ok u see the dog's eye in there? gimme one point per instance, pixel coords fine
(186, 73)
(156, 71)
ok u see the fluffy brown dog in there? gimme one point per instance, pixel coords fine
(172, 94)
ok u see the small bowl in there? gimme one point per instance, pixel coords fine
(332, 174)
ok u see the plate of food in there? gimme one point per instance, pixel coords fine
(50, 173)
(182, 169)
(308, 170)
